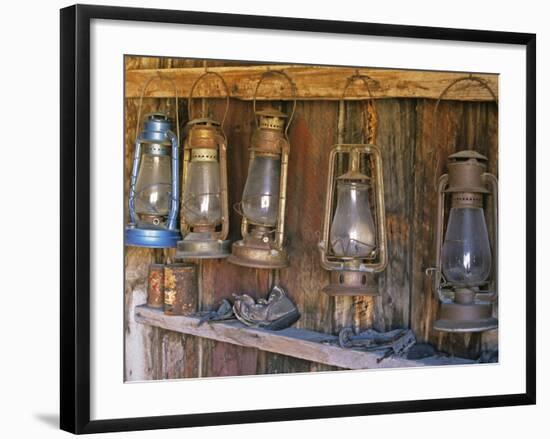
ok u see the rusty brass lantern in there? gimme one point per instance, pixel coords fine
(204, 212)
(465, 280)
(354, 239)
(263, 201)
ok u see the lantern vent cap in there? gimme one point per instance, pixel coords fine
(354, 176)
(466, 170)
(158, 116)
(203, 121)
(271, 118)
(271, 112)
(468, 154)
(156, 127)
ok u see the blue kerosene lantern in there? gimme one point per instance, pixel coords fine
(154, 186)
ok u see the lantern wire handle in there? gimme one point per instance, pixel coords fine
(200, 78)
(365, 79)
(159, 77)
(469, 78)
(292, 87)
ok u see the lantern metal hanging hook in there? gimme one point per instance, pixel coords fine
(266, 74)
(190, 101)
(159, 77)
(469, 78)
(364, 78)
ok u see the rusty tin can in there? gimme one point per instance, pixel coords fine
(155, 286)
(180, 289)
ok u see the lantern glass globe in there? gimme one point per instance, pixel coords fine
(202, 204)
(352, 233)
(261, 191)
(466, 252)
(154, 185)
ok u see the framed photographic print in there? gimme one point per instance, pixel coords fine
(336, 217)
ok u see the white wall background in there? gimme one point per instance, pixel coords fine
(29, 96)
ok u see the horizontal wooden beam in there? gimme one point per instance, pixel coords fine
(312, 83)
(298, 343)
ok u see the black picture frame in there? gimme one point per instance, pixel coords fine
(75, 217)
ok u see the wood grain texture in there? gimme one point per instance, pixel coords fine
(311, 137)
(312, 83)
(396, 128)
(297, 343)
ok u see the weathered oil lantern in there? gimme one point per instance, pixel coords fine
(264, 195)
(465, 280)
(353, 242)
(204, 212)
(154, 183)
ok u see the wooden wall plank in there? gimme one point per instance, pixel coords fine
(311, 136)
(312, 82)
(231, 360)
(141, 344)
(396, 128)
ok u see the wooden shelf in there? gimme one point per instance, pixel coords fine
(293, 342)
(312, 83)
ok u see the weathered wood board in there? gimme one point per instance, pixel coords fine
(297, 343)
(312, 83)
